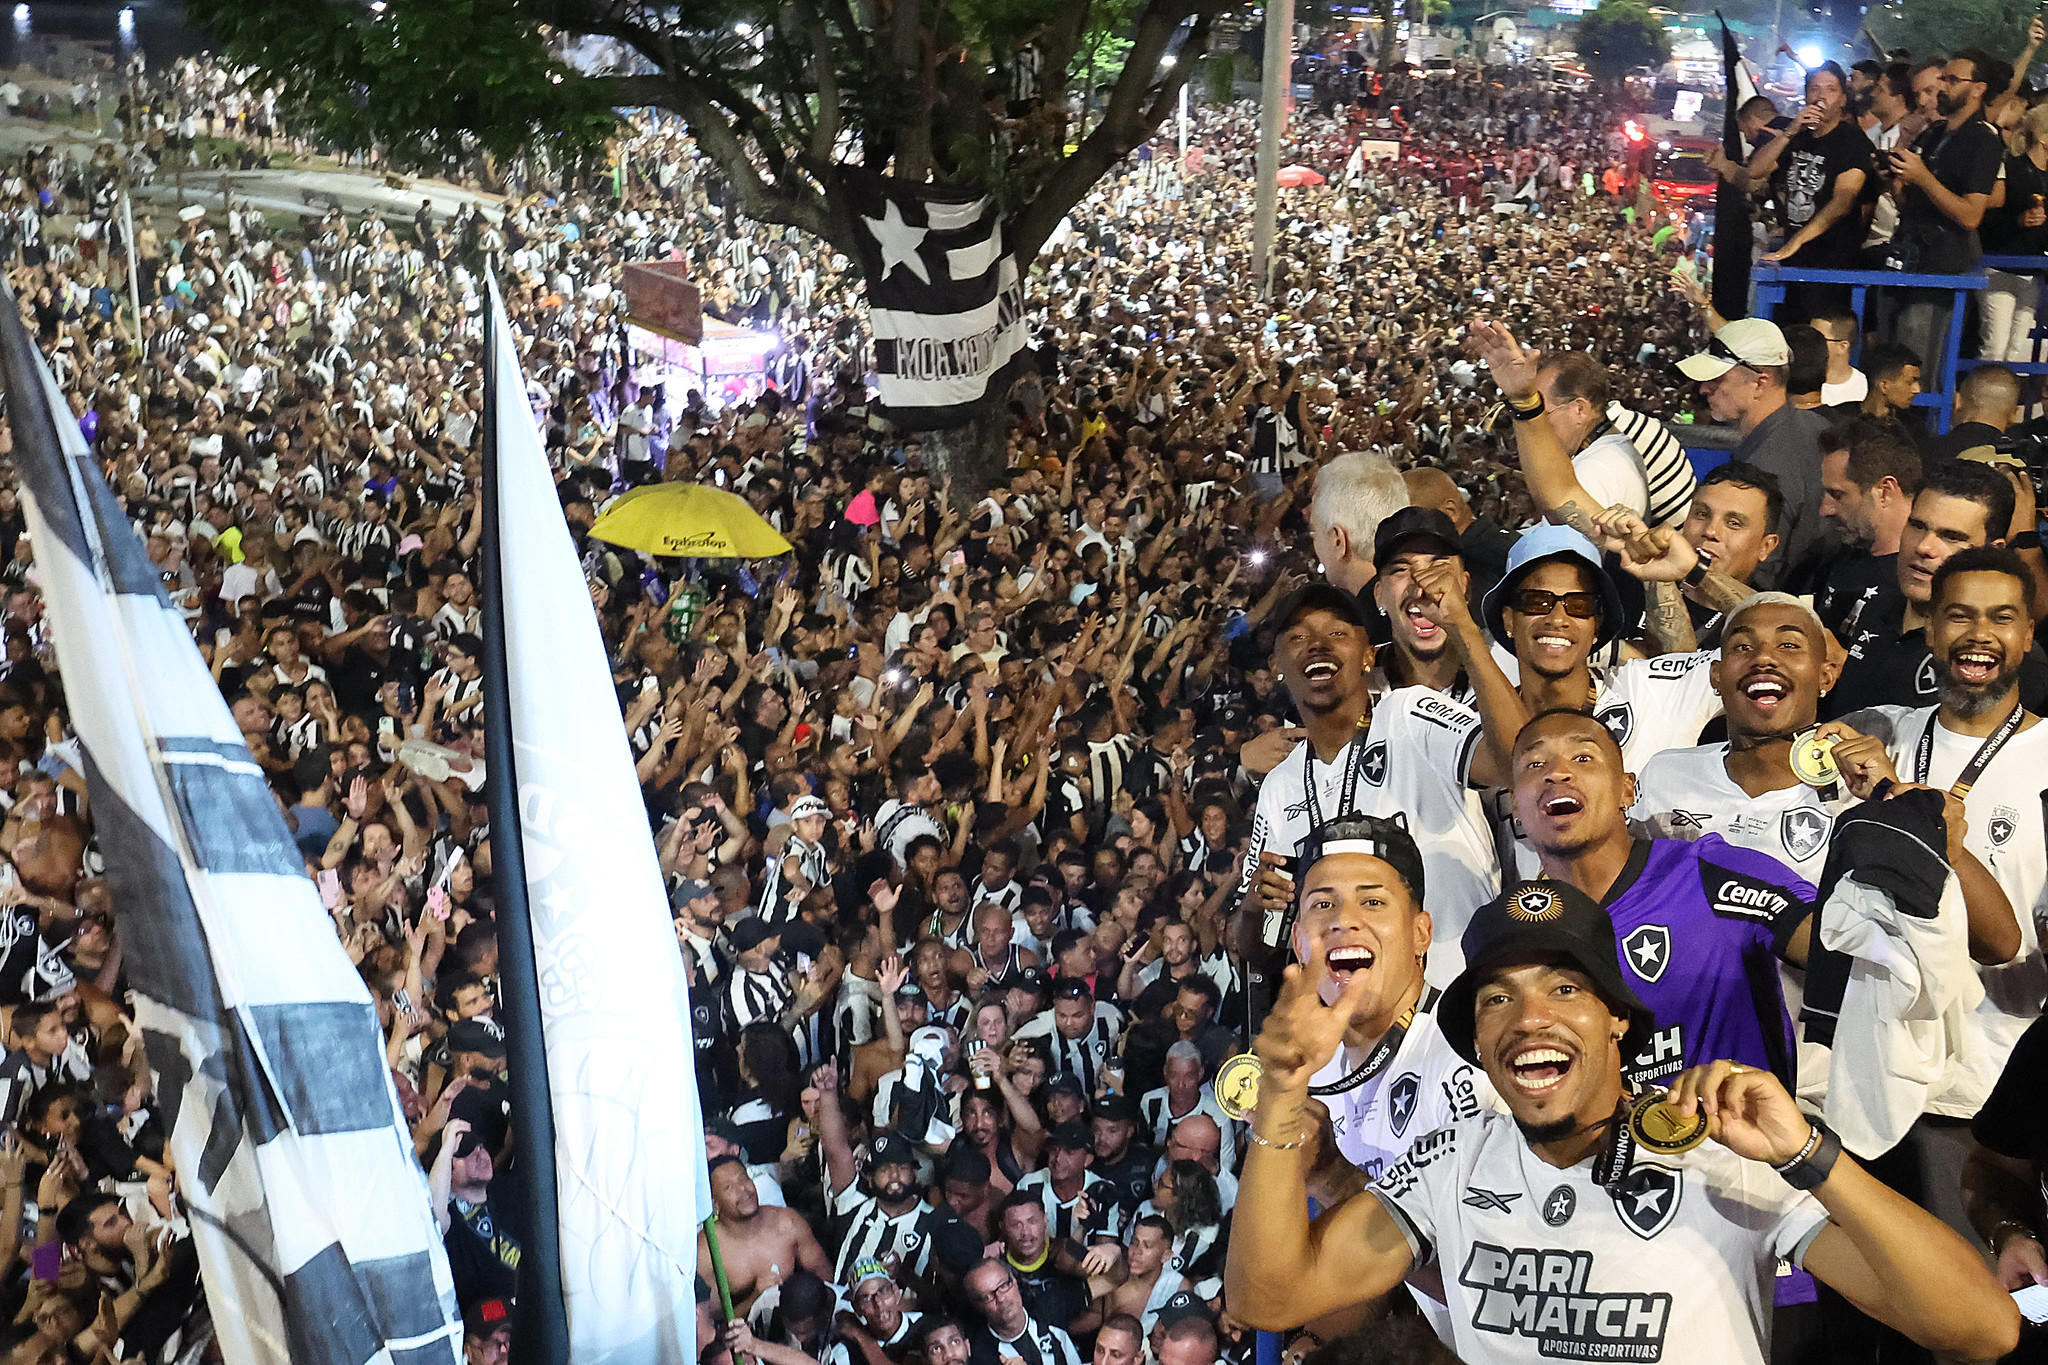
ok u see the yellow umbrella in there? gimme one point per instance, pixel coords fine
(688, 519)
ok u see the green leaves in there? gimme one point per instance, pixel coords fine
(425, 79)
(1620, 36)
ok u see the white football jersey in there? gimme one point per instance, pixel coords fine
(1685, 793)
(1427, 1086)
(1413, 768)
(1543, 1264)
(1649, 706)
(2006, 832)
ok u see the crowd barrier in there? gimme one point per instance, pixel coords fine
(1938, 375)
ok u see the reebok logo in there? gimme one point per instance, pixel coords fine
(1542, 1294)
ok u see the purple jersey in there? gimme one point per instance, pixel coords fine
(1699, 928)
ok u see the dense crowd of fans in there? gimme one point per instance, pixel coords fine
(989, 816)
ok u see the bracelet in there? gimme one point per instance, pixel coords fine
(1523, 414)
(1299, 1139)
(1997, 1239)
(1815, 1162)
(2025, 540)
(1696, 576)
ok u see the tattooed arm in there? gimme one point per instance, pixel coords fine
(1667, 623)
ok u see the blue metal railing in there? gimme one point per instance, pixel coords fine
(1938, 394)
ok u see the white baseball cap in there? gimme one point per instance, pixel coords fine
(806, 806)
(1752, 342)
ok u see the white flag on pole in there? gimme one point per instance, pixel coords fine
(629, 1145)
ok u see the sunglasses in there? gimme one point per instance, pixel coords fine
(1583, 606)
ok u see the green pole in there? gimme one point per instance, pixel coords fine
(718, 1274)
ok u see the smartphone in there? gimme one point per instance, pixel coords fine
(387, 725)
(401, 1000)
(649, 684)
(2032, 1301)
(330, 888)
(46, 1262)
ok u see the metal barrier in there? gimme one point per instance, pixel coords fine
(1939, 395)
(2036, 266)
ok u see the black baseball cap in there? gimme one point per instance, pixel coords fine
(1067, 1081)
(1119, 1109)
(891, 1149)
(1530, 922)
(1410, 526)
(1182, 1306)
(471, 1035)
(1373, 835)
(1320, 597)
(751, 933)
(1072, 1136)
(1034, 980)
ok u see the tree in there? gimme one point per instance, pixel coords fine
(1997, 26)
(793, 100)
(1620, 36)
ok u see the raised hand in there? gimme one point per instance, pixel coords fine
(892, 975)
(1748, 1110)
(1302, 1033)
(1512, 367)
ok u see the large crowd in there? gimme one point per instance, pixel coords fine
(1381, 627)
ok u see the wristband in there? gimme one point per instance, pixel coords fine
(1816, 1160)
(1279, 1146)
(1523, 414)
(2025, 540)
(1696, 576)
(2004, 1231)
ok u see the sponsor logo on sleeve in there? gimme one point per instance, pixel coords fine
(1544, 1295)
(1402, 1176)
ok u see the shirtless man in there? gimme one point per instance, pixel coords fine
(904, 1012)
(761, 1244)
(1151, 1280)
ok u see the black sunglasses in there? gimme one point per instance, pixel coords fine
(1583, 606)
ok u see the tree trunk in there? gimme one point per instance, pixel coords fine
(971, 457)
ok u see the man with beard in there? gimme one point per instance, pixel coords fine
(1120, 1158)
(1414, 753)
(1959, 506)
(891, 1220)
(1514, 1208)
(761, 1245)
(1983, 745)
(1869, 474)
(1701, 924)
(1945, 182)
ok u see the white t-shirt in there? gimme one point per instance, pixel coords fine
(1685, 793)
(1611, 472)
(1413, 768)
(1427, 1086)
(1854, 389)
(2007, 834)
(1543, 1264)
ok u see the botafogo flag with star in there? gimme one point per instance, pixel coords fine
(630, 1167)
(309, 1214)
(945, 299)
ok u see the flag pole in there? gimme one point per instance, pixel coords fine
(540, 1321)
(718, 1273)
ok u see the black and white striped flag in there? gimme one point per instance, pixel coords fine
(945, 300)
(316, 1243)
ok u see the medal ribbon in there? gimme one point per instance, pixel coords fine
(1382, 1054)
(1979, 761)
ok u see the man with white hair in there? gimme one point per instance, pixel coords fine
(1354, 493)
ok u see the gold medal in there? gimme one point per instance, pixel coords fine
(1813, 760)
(1237, 1084)
(1659, 1127)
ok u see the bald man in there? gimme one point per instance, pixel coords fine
(1481, 544)
(1987, 402)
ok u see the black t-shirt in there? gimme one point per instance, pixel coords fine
(2013, 1121)
(1850, 582)
(1891, 666)
(1051, 1294)
(1966, 161)
(1131, 1174)
(483, 1255)
(1804, 182)
(2024, 184)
